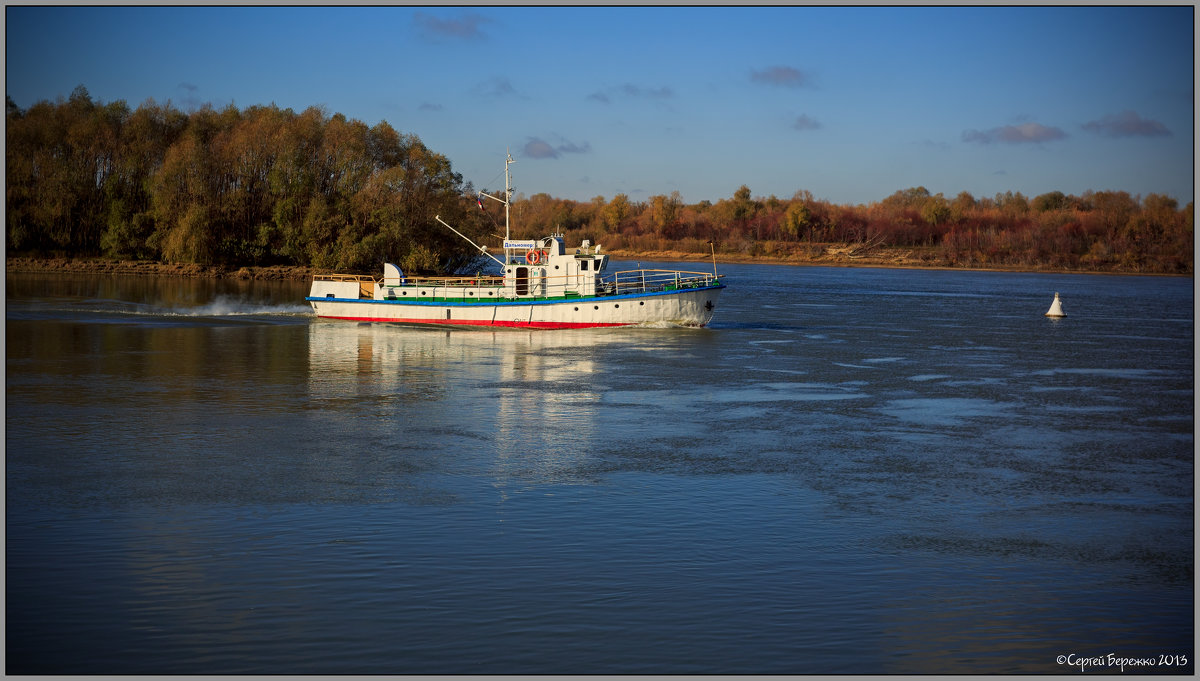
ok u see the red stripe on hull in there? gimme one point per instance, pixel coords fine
(473, 322)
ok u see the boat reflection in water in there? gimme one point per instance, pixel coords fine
(530, 399)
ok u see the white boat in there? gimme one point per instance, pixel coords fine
(543, 285)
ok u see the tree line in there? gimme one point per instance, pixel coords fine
(1098, 231)
(260, 186)
(267, 186)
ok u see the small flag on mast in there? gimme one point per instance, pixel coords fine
(480, 202)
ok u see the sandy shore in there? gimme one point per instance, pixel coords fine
(841, 257)
(832, 257)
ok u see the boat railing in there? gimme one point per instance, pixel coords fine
(414, 281)
(650, 281)
(457, 282)
(344, 277)
(626, 282)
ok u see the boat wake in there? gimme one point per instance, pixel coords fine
(223, 309)
(662, 325)
(232, 307)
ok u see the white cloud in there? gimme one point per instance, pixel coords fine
(1127, 124)
(539, 148)
(782, 76)
(464, 27)
(1026, 133)
(805, 122)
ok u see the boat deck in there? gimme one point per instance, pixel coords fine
(484, 289)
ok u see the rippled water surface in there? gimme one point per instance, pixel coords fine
(851, 470)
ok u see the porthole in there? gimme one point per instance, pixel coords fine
(641, 302)
(617, 305)
(595, 307)
(577, 309)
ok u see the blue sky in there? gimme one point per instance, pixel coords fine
(848, 103)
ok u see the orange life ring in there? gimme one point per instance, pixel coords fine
(533, 256)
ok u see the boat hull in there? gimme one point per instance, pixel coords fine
(693, 307)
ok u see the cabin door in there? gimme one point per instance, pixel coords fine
(522, 281)
(581, 278)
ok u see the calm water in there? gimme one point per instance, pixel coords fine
(852, 470)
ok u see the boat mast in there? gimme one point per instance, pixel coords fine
(508, 160)
(506, 201)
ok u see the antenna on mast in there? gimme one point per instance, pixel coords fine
(508, 160)
(507, 200)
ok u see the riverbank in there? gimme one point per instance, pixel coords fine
(889, 258)
(122, 267)
(892, 258)
(829, 257)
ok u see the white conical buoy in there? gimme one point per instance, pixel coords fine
(1056, 308)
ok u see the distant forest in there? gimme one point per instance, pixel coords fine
(268, 186)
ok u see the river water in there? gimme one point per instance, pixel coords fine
(850, 471)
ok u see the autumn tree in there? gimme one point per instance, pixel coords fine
(961, 206)
(253, 186)
(664, 213)
(615, 213)
(59, 158)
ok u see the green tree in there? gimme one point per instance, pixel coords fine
(797, 219)
(615, 213)
(146, 135)
(1050, 201)
(913, 197)
(743, 205)
(935, 210)
(1013, 203)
